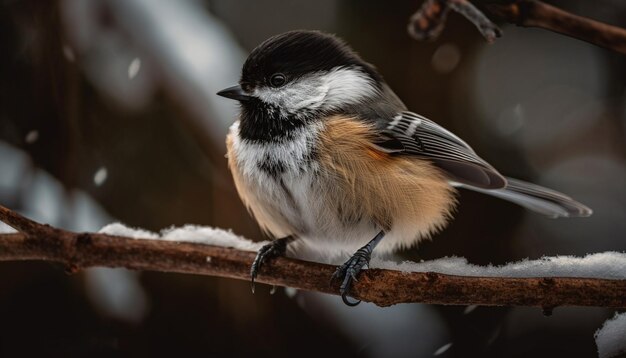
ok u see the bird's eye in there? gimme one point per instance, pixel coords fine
(278, 80)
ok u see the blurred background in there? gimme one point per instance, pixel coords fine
(108, 113)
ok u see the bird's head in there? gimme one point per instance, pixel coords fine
(300, 74)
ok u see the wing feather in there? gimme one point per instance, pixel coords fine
(424, 138)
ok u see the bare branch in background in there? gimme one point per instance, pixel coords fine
(530, 13)
(429, 21)
(382, 287)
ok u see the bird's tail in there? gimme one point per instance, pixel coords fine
(537, 198)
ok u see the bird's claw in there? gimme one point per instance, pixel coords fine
(349, 271)
(273, 249)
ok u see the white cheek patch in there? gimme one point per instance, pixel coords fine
(322, 90)
(348, 86)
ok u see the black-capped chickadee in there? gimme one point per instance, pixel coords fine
(325, 152)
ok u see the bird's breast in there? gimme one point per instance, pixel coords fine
(331, 186)
(275, 179)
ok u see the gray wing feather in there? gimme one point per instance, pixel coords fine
(537, 198)
(425, 138)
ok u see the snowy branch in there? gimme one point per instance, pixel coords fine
(35, 241)
(429, 20)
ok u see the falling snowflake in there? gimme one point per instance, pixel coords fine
(134, 67)
(31, 137)
(442, 349)
(101, 176)
(68, 53)
(469, 309)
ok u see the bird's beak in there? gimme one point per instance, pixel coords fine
(234, 92)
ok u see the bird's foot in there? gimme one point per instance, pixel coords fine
(274, 249)
(349, 271)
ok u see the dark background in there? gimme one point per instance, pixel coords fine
(107, 113)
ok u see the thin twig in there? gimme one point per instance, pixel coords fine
(428, 22)
(24, 225)
(488, 29)
(382, 287)
(531, 13)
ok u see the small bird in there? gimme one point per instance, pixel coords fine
(325, 152)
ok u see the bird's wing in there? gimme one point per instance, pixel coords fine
(411, 134)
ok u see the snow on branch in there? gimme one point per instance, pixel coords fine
(611, 338)
(214, 252)
(428, 22)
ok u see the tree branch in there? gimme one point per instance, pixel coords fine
(382, 287)
(428, 22)
(532, 13)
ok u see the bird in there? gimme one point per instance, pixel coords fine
(323, 151)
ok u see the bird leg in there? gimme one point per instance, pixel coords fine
(351, 268)
(274, 249)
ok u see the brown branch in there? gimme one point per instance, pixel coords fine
(22, 224)
(382, 287)
(531, 13)
(428, 22)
